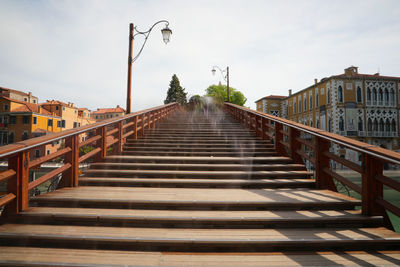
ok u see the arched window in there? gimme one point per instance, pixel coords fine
(329, 125)
(328, 95)
(369, 94)
(387, 125)
(360, 124)
(317, 125)
(386, 97)
(374, 95)
(369, 125)
(340, 94)
(376, 128)
(381, 125)
(380, 96)
(341, 124)
(294, 108)
(394, 126)
(311, 102)
(316, 100)
(305, 103)
(359, 94)
(391, 97)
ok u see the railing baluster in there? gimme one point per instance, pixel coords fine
(279, 147)
(372, 189)
(294, 145)
(323, 180)
(70, 176)
(19, 185)
(120, 143)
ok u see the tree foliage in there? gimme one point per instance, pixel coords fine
(175, 92)
(219, 92)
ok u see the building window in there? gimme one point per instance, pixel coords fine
(359, 94)
(328, 95)
(56, 107)
(391, 97)
(374, 95)
(380, 96)
(13, 119)
(386, 97)
(368, 95)
(26, 119)
(37, 153)
(25, 136)
(311, 106)
(381, 126)
(299, 105)
(360, 124)
(6, 106)
(59, 124)
(376, 128)
(369, 125)
(48, 152)
(50, 122)
(11, 138)
(394, 126)
(63, 123)
(316, 100)
(63, 108)
(340, 94)
(76, 125)
(329, 125)
(341, 124)
(294, 108)
(305, 103)
(34, 120)
(34, 101)
(387, 126)
(25, 99)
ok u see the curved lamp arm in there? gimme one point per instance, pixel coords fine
(223, 72)
(147, 33)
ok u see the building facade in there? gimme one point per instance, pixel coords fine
(107, 113)
(359, 106)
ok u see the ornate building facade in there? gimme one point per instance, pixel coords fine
(359, 106)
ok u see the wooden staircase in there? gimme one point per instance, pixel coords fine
(199, 190)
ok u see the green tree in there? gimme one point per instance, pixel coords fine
(175, 92)
(219, 92)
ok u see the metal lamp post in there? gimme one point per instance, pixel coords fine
(133, 31)
(225, 75)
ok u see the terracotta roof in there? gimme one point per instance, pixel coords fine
(360, 75)
(108, 110)
(40, 130)
(272, 97)
(27, 107)
(54, 102)
(12, 90)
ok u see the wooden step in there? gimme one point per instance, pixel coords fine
(197, 167)
(299, 174)
(197, 183)
(192, 239)
(196, 199)
(191, 145)
(200, 153)
(197, 219)
(30, 256)
(197, 159)
(197, 149)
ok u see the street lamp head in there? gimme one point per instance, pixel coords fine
(166, 33)
(213, 71)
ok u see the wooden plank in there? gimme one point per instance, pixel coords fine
(345, 162)
(36, 162)
(305, 156)
(89, 154)
(389, 182)
(29, 256)
(5, 175)
(343, 180)
(48, 176)
(89, 141)
(389, 206)
(7, 199)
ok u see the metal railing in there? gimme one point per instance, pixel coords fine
(287, 138)
(104, 138)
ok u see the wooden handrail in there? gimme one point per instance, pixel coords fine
(371, 169)
(19, 162)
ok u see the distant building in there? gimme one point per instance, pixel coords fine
(271, 105)
(107, 113)
(359, 106)
(18, 95)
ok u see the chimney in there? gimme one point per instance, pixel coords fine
(290, 92)
(117, 106)
(30, 94)
(315, 81)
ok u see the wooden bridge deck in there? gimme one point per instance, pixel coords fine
(196, 191)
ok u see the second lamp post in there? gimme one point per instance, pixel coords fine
(225, 75)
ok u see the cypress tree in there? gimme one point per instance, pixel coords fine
(175, 92)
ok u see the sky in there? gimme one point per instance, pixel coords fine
(76, 51)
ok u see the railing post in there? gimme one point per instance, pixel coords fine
(70, 176)
(323, 180)
(143, 123)
(294, 145)
(102, 144)
(135, 127)
(19, 185)
(120, 137)
(372, 189)
(279, 147)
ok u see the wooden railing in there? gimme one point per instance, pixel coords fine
(102, 138)
(306, 144)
